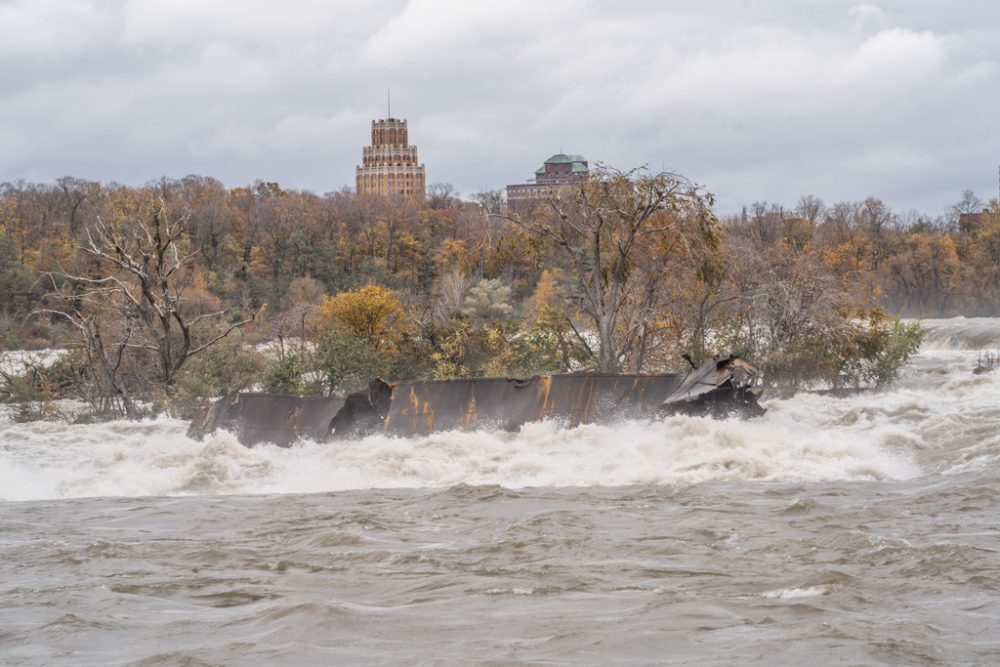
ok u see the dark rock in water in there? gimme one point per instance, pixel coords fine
(275, 418)
(987, 362)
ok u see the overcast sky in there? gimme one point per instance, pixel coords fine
(756, 99)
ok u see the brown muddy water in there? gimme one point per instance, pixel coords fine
(852, 531)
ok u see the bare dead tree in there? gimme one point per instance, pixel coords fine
(493, 202)
(969, 203)
(810, 207)
(133, 306)
(442, 195)
(877, 221)
(103, 347)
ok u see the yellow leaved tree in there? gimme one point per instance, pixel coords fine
(360, 335)
(371, 313)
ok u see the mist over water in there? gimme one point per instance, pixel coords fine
(858, 530)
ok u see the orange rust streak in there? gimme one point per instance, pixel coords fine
(293, 418)
(585, 411)
(544, 387)
(388, 418)
(428, 412)
(414, 401)
(470, 412)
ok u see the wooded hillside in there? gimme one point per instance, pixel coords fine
(628, 271)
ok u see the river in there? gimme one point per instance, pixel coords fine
(858, 530)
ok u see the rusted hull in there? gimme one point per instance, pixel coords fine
(420, 408)
(275, 418)
(718, 388)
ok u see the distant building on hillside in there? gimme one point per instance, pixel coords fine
(389, 166)
(970, 222)
(558, 170)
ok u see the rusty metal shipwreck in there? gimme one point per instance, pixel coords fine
(719, 388)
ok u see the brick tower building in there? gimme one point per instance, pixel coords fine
(389, 166)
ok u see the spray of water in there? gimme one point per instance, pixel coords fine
(940, 419)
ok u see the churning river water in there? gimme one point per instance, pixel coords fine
(858, 531)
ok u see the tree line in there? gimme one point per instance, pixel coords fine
(174, 292)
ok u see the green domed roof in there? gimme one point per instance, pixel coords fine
(578, 161)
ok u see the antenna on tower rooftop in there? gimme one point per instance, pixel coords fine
(388, 101)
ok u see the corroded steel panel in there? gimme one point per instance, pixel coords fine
(419, 408)
(719, 388)
(275, 418)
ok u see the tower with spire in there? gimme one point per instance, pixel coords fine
(389, 166)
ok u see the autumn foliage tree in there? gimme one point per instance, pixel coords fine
(360, 334)
(617, 232)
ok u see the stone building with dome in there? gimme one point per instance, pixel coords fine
(558, 170)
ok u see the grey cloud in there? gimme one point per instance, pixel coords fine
(50, 29)
(755, 100)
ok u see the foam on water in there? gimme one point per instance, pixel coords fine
(795, 593)
(47, 460)
(961, 333)
(939, 419)
(902, 569)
